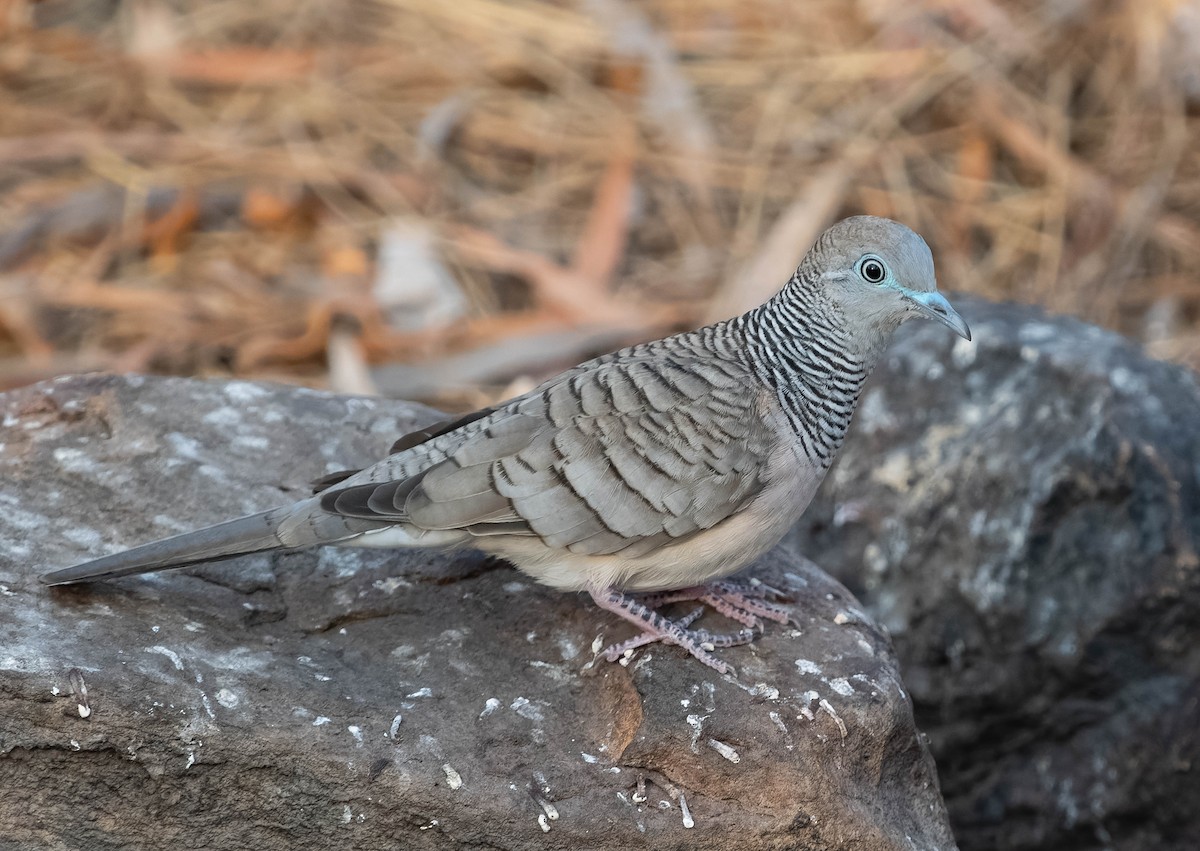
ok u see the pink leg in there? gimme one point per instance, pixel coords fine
(655, 627)
(739, 601)
(749, 598)
(616, 651)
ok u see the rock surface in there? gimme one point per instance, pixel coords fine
(1023, 514)
(374, 699)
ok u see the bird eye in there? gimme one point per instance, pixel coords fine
(872, 270)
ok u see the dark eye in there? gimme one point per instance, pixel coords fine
(872, 270)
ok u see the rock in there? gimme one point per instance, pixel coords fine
(1023, 514)
(382, 699)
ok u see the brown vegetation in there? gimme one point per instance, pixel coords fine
(212, 188)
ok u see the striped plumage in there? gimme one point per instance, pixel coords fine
(662, 466)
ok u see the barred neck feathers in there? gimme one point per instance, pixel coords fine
(800, 344)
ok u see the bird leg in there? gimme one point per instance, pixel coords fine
(749, 597)
(656, 627)
(616, 651)
(739, 601)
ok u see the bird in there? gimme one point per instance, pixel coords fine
(646, 476)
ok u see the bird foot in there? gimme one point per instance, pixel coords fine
(737, 601)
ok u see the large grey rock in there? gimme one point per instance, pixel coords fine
(372, 699)
(1023, 514)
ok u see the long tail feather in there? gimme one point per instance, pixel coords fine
(250, 534)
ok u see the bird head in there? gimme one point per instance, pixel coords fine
(879, 274)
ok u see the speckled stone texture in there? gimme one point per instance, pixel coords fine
(375, 699)
(1023, 514)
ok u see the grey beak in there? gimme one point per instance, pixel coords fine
(934, 306)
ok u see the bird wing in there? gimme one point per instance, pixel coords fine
(621, 457)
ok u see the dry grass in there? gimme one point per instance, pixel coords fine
(203, 188)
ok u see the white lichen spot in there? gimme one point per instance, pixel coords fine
(555, 671)
(320, 721)
(395, 728)
(223, 416)
(72, 460)
(825, 707)
(357, 733)
(170, 654)
(804, 666)
(88, 539)
(725, 750)
(809, 697)
(347, 814)
(391, 584)
(525, 709)
(514, 587)
(227, 699)
(589, 758)
(453, 779)
(421, 692)
(842, 686)
(688, 821)
(567, 648)
(777, 720)
(191, 760)
(242, 393)
(696, 722)
(489, 706)
(252, 442)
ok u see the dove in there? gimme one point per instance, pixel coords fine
(647, 476)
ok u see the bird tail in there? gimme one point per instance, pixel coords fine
(251, 534)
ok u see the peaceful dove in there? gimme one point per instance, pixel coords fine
(643, 477)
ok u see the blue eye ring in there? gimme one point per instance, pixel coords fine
(871, 269)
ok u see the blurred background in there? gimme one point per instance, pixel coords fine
(449, 199)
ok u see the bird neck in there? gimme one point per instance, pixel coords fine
(799, 342)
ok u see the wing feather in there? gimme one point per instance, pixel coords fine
(624, 457)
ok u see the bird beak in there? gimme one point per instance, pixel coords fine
(934, 306)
